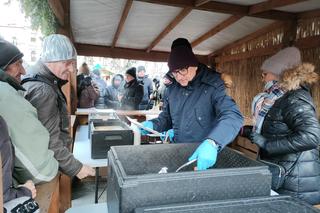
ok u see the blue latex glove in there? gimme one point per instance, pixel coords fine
(147, 124)
(170, 135)
(206, 155)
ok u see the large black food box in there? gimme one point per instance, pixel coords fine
(102, 117)
(106, 134)
(277, 204)
(133, 179)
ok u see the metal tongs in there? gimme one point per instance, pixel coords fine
(186, 164)
(154, 132)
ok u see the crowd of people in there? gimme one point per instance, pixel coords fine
(34, 122)
(133, 91)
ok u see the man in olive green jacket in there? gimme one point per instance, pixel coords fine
(33, 158)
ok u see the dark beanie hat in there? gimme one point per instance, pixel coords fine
(9, 54)
(181, 55)
(132, 72)
(180, 42)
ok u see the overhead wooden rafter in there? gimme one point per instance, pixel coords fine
(304, 43)
(126, 53)
(170, 27)
(58, 10)
(220, 7)
(249, 37)
(124, 16)
(309, 14)
(271, 4)
(198, 3)
(216, 29)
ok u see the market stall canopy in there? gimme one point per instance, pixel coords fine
(145, 29)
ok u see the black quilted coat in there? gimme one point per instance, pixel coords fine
(293, 134)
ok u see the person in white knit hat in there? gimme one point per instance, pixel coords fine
(286, 128)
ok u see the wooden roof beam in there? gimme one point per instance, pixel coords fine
(271, 4)
(227, 8)
(170, 27)
(220, 7)
(309, 14)
(223, 25)
(58, 10)
(126, 53)
(304, 43)
(250, 37)
(200, 2)
(124, 16)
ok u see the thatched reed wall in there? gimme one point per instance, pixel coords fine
(245, 71)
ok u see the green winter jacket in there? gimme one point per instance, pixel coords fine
(30, 138)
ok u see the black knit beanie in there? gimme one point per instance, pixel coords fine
(132, 72)
(180, 42)
(181, 55)
(9, 54)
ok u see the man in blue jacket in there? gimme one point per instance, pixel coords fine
(197, 107)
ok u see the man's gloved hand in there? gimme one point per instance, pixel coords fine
(170, 133)
(206, 154)
(246, 131)
(147, 124)
(258, 139)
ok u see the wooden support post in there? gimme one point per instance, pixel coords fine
(58, 10)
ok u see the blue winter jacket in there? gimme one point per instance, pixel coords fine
(200, 110)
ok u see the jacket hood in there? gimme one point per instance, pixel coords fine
(117, 75)
(41, 69)
(4, 77)
(301, 75)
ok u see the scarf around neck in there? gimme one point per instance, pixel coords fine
(263, 102)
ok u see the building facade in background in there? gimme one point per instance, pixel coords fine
(26, 39)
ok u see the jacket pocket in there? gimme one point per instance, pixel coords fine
(201, 118)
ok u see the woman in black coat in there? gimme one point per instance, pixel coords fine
(287, 130)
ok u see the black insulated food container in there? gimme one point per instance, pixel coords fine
(107, 134)
(277, 204)
(133, 179)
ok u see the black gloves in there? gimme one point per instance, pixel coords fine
(246, 131)
(258, 140)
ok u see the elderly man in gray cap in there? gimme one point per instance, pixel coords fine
(43, 89)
